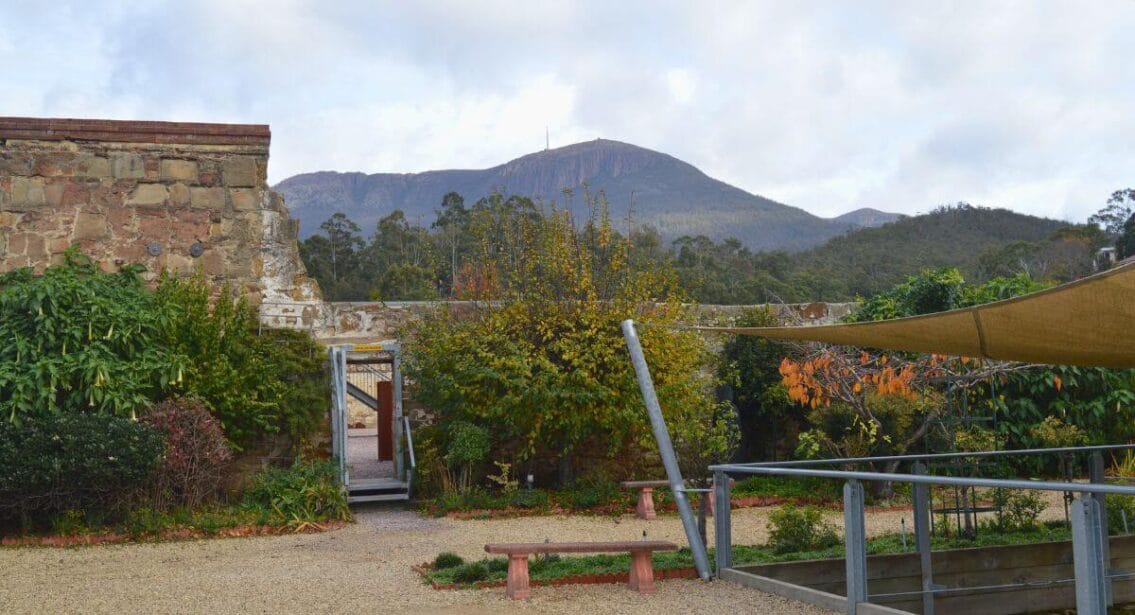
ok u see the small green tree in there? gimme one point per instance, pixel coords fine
(544, 366)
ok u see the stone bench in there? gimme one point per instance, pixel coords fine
(644, 509)
(641, 577)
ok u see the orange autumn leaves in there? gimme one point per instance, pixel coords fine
(815, 382)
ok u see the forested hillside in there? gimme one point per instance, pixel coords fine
(982, 242)
(405, 261)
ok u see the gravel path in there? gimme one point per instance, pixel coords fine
(366, 568)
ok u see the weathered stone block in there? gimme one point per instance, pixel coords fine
(15, 164)
(208, 198)
(179, 170)
(179, 195)
(17, 243)
(59, 244)
(90, 226)
(37, 248)
(245, 198)
(26, 192)
(148, 194)
(240, 171)
(53, 193)
(127, 166)
(55, 164)
(93, 166)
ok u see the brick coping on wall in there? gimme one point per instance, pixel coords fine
(118, 131)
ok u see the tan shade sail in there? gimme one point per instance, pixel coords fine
(1089, 322)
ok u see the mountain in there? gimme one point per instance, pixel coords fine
(666, 193)
(866, 217)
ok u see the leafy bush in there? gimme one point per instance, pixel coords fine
(1020, 510)
(496, 564)
(78, 339)
(447, 559)
(67, 461)
(471, 573)
(196, 452)
(531, 499)
(468, 446)
(543, 367)
(799, 529)
(1117, 506)
(307, 492)
(590, 493)
(83, 340)
(255, 382)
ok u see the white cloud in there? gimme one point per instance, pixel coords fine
(827, 105)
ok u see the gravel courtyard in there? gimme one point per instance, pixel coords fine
(364, 567)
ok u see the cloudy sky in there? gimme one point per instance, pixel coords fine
(828, 106)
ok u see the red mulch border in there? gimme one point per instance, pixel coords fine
(579, 579)
(171, 535)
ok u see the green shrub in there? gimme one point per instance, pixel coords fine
(588, 493)
(496, 564)
(1020, 509)
(536, 499)
(307, 492)
(543, 367)
(540, 563)
(471, 573)
(447, 559)
(196, 452)
(1117, 505)
(145, 521)
(77, 339)
(256, 382)
(93, 463)
(799, 529)
(468, 446)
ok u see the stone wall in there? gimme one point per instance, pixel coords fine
(350, 321)
(182, 197)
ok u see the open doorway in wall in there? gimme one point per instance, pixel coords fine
(371, 441)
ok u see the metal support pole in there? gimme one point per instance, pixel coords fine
(666, 449)
(922, 520)
(1096, 474)
(1087, 557)
(722, 523)
(855, 544)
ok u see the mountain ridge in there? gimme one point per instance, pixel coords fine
(660, 190)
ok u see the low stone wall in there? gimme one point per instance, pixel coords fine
(347, 321)
(1036, 564)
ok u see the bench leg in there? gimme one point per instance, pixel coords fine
(645, 507)
(518, 577)
(642, 573)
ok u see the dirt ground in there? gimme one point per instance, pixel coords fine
(365, 567)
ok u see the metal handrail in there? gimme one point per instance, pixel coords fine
(929, 479)
(409, 441)
(932, 456)
(413, 462)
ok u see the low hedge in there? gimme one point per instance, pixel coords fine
(74, 462)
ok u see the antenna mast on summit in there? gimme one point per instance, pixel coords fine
(547, 140)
